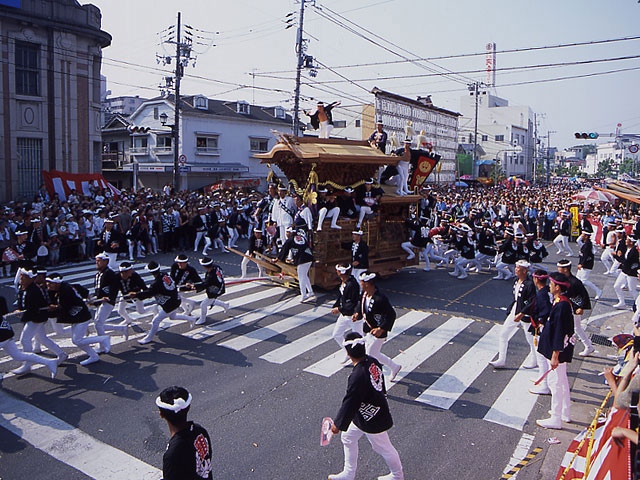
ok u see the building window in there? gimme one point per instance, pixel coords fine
(201, 103)
(259, 144)
(139, 145)
(29, 152)
(279, 112)
(156, 115)
(163, 145)
(499, 138)
(357, 123)
(207, 145)
(27, 69)
(485, 138)
(243, 108)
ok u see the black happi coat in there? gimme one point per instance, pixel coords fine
(213, 282)
(348, 299)
(107, 285)
(377, 313)
(365, 403)
(165, 290)
(71, 306)
(34, 302)
(557, 334)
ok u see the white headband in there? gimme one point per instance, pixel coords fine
(54, 279)
(342, 269)
(355, 341)
(366, 277)
(178, 404)
(28, 273)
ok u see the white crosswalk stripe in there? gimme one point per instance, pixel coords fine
(513, 406)
(420, 351)
(330, 365)
(265, 333)
(251, 322)
(444, 392)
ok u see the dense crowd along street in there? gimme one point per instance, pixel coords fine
(132, 297)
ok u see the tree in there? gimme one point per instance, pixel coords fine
(605, 168)
(628, 166)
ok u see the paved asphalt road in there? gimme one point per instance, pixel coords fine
(263, 377)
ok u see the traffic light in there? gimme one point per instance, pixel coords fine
(586, 136)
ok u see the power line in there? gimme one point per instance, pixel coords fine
(503, 69)
(465, 55)
(370, 40)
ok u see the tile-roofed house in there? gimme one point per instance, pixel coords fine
(218, 139)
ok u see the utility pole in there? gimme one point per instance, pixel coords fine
(176, 118)
(474, 87)
(549, 132)
(535, 147)
(300, 50)
(183, 41)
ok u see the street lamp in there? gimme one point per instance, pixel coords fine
(516, 149)
(175, 137)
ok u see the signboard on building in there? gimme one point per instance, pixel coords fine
(440, 127)
(490, 62)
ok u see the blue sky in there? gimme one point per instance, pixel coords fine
(250, 37)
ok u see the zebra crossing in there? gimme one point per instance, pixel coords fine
(262, 313)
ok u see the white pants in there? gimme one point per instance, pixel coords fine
(508, 328)
(283, 229)
(607, 259)
(233, 237)
(243, 267)
(102, 313)
(206, 303)
(333, 214)
(187, 304)
(364, 211)
(629, 281)
(325, 129)
(113, 261)
(306, 290)
(562, 244)
(580, 333)
(80, 339)
(28, 358)
(345, 324)
(408, 247)
(199, 236)
(355, 273)
(140, 308)
(161, 315)
(33, 330)
(373, 345)
(505, 270)
(403, 177)
(543, 367)
(381, 445)
(560, 395)
(430, 253)
(583, 275)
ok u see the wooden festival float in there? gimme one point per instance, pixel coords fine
(310, 163)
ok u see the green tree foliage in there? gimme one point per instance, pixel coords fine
(605, 168)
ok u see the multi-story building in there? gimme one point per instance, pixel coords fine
(506, 133)
(217, 141)
(125, 105)
(440, 127)
(50, 89)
